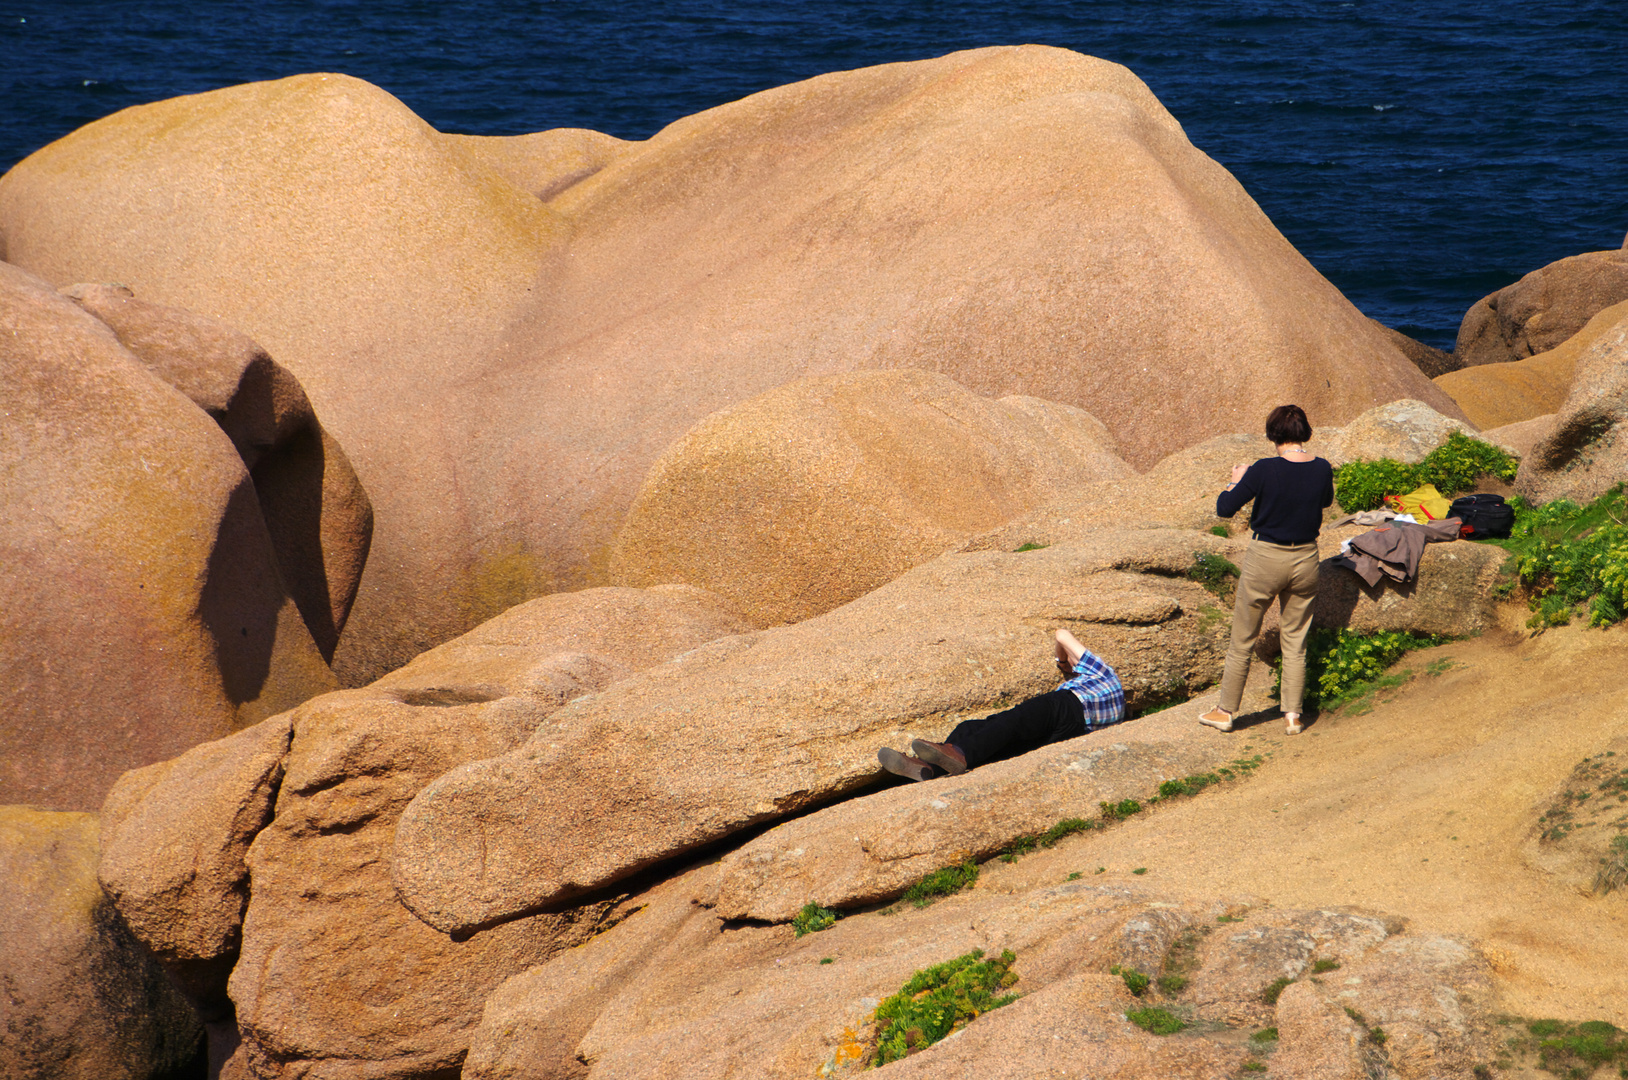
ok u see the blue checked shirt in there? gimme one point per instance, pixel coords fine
(1099, 691)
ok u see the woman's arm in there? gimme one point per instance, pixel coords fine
(1244, 487)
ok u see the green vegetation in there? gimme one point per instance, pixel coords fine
(1569, 1049)
(1452, 467)
(1219, 530)
(1343, 665)
(1119, 811)
(827, 960)
(1265, 1035)
(1275, 989)
(1613, 873)
(1067, 827)
(1594, 796)
(1187, 785)
(1140, 870)
(813, 918)
(1156, 1021)
(1320, 967)
(1032, 546)
(1075, 876)
(1253, 1066)
(1135, 981)
(1171, 985)
(942, 883)
(1180, 961)
(940, 999)
(1215, 572)
(1565, 556)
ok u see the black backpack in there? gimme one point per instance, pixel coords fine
(1483, 516)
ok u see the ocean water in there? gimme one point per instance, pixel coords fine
(1420, 155)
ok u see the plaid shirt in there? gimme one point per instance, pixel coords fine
(1099, 691)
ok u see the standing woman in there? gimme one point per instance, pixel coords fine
(1290, 492)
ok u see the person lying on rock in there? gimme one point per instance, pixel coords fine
(1092, 698)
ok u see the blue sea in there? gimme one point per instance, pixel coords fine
(1420, 154)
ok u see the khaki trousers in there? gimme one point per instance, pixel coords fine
(1287, 573)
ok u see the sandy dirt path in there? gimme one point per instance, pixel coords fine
(1424, 806)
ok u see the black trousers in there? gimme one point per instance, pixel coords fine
(1028, 726)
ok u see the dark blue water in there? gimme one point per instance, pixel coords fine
(1419, 154)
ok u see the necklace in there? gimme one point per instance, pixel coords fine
(1292, 450)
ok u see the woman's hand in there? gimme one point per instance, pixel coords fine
(1238, 473)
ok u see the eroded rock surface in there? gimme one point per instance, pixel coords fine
(79, 999)
(144, 608)
(768, 502)
(320, 520)
(674, 988)
(335, 976)
(751, 728)
(1585, 451)
(1496, 395)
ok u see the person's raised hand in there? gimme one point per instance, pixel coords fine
(1238, 472)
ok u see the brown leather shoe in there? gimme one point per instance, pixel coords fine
(946, 756)
(903, 764)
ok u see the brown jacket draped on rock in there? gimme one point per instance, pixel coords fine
(1395, 550)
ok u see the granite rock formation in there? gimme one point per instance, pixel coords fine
(319, 517)
(755, 727)
(1023, 220)
(329, 974)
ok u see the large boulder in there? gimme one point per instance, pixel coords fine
(760, 726)
(1024, 220)
(1585, 451)
(1497, 395)
(1455, 592)
(145, 610)
(81, 999)
(266, 856)
(173, 840)
(1542, 309)
(319, 517)
(812, 494)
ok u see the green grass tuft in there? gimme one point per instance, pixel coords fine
(1274, 990)
(1215, 572)
(1156, 1021)
(1318, 967)
(1570, 559)
(814, 918)
(940, 999)
(1135, 981)
(942, 883)
(1119, 811)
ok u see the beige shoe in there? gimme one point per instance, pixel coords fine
(1218, 718)
(1294, 726)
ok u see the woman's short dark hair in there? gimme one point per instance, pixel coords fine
(1287, 424)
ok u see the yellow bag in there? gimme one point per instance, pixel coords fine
(1424, 503)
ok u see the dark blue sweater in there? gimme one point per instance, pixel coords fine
(1289, 498)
